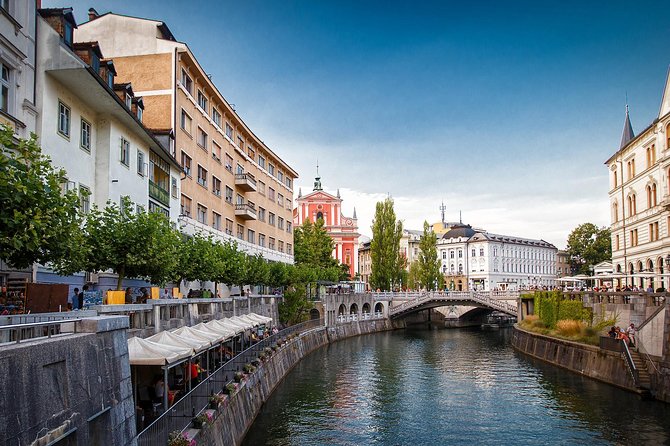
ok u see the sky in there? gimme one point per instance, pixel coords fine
(504, 111)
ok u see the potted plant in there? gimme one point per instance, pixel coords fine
(268, 351)
(275, 348)
(249, 368)
(262, 356)
(256, 362)
(200, 421)
(215, 401)
(231, 388)
(239, 376)
(177, 438)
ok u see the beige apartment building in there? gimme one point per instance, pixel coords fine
(234, 186)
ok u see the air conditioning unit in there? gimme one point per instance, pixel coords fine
(91, 278)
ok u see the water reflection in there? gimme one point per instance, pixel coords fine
(447, 387)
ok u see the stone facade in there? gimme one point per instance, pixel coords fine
(75, 388)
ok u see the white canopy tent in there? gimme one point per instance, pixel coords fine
(145, 352)
(171, 339)
(248, 324)
(259, 318)
(221, 335)
(220, 326)
(190, 332)
(238, 327)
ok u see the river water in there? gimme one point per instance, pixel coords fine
(448, 387)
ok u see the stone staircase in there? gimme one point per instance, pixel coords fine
(643, 382)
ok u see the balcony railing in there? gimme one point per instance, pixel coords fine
(245, 181)
(246, 211)
(158, 193)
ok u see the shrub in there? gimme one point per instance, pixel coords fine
(231, 388)
(249, 368)
(239, 376)
(569, 327)
(176, 438)
(538, 324)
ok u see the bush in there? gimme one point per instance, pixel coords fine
(231, 388)
(249, 368)
(569, 327)
(176, 438)
(238, 376)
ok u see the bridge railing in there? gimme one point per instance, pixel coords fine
(343, 318)
(485, 298)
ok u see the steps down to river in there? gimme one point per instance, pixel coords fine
(644, 380)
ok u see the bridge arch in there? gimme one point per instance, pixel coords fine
(379, 307)
(342, 310)
(366, 308)
(353, 309)
(314, 314)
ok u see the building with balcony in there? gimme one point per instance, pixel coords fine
(235, 187)
(343, 230)
(639, 193)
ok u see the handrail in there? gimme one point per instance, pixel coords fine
(19, 329)
(625, 352)
(476, 296)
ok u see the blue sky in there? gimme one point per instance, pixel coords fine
(504, 110)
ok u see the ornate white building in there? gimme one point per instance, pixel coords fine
(639, 195)
(476, 259)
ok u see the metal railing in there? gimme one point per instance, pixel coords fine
(178, 417)
(342, 318)
(16, 333)
(479, 297)
(635, 373)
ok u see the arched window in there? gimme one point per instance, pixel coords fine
(615, 211)
(651, 195)
(319, 215)
(632, 207)
(654, 195)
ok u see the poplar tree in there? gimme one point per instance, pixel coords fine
(385, 247)
(429, 265)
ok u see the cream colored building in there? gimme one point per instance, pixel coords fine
(235, 186)
(639, 192)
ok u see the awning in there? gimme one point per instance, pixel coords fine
(144, 352)
(237, 327)
(221, 335)
(244, 322)
(174, 340)
(261, 319)
(226, 329)
(246, 318)
(190, 332)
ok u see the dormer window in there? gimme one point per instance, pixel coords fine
(129, 100)
(95, 62)
(139, 113)
(110, 79)
(67, 33)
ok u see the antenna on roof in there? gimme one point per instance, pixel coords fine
(443, 208)
(460, 217)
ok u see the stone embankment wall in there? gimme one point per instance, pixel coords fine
(240, 410)
(73, 387)
(586, 360)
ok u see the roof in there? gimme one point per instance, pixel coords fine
(459, 230)
(627, 135)
(64, 12)
(512, 239)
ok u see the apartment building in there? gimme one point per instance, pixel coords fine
(639, 193)
(235, 187)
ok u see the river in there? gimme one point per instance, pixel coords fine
(444, 387)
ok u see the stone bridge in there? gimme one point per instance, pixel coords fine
(347, 307)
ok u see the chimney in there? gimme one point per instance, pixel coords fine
(92, 14)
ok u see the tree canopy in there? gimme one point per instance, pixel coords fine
(429, 264)
(39, 222)
(588, 245)
(387, 263)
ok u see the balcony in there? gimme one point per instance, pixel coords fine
(245, 211)
(159, 194)
(246, 182)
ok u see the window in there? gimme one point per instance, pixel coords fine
(460, 253)
(240, 143)
(186, 81)
(216, 117)
(615, 178)
(85, 142)
(615, 211)
(229, 163)
(216, 221)
(271, 194)
(202, 138)
(280, 199)
(202, 176)
(289, 226)
(129, 101)
(633, 237)
(202, 214)
(202, 101)
(261, 240)
(281, 246)
(216, 151)
(84, 199)
(481, 252)
(288, 182)
(63, 119)
(229, 131)
(229, 227)
(240, 232)
(216, 186)
(250, 152)
(175, 187)
(261, 214)
(280, 223)
(251, 236)
(261, 161)
(271, 245)
(67, 34)
(651, 196)
(186, 163)
(632, 206)
(261, 188)
(239, 199)
(240, 169)
(271, 169)
(653, 232)
(280, 176)
(651, 155)
(631, 168)
(289, 249)
(474, 252)
(229, 195)
(186, 122)
(451, 254)
(125, 152)
(5, 82)
(271, 219)
(185, 206)
(140, 163)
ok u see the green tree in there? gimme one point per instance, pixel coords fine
(413, 276)
(295, 306)
(132, 244)
(429, 265)
(38, 222)
(231, 263)
(279, 274)
(385, 247)
(588, 245)
(197, 259)
(257, 271)
(312, 245)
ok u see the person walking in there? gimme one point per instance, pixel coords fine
(73, 300)
(632, 331)
(80, 297)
